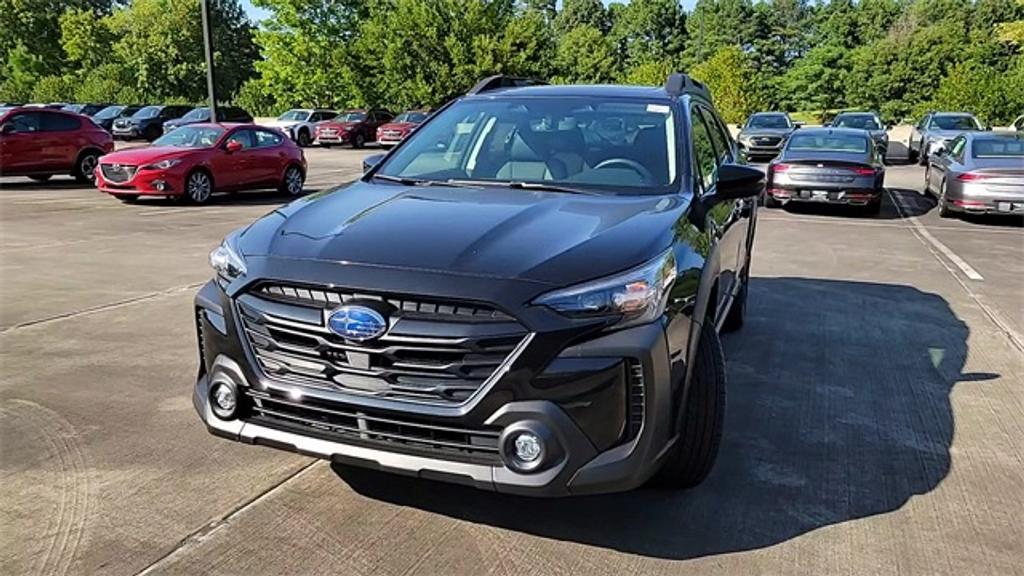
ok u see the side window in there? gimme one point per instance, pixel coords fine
(718, 137)
(704, 158)
(266, 139)
(922, 123)
(321, 116)
(59, 123)
(957, 149)
(244, 137)
(24, 122)
(371, 116)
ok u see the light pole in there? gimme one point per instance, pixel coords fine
(208, 47)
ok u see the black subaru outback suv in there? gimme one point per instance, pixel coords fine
(524, 296)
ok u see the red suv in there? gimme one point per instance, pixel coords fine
(355, 127)
(194, 161)
(39, 143)
(395, 131)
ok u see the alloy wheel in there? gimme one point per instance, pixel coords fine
(293, 181)
(199, 187)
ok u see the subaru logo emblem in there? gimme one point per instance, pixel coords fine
(357, 323)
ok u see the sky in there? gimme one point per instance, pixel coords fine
(257, 14)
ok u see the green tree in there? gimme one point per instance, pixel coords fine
(53, 89)
(649, 31)
(586, 55)
(716, 24)
(731, 79)
(576, 13)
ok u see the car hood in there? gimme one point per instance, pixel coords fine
(486, 232)
(398, 126)
(282, 123)
(181, 122)
(945, 134)
(765, 131)
(139, 156)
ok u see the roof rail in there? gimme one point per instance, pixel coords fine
(501, 81)
(679, 83)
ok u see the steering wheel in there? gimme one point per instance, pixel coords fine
(631, 164)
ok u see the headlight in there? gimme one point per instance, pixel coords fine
(162, 165)
(227, 261)
(635, 297)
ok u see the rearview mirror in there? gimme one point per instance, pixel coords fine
(737, 181)
(233, 146)
(370, 161)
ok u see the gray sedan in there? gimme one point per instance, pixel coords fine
(827, 165)
(869, 121)
(764, 133)
(980, 173)
(936, 130)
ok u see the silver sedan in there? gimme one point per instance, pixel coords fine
(979, 173)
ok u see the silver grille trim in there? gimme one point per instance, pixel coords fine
(118, 173)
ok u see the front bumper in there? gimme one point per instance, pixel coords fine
(144, 183)
(337, 138)
(583, 462)
(126, 132)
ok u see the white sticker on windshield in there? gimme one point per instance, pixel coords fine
(658, 108)
(464, 127)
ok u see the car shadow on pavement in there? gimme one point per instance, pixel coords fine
(838, 409)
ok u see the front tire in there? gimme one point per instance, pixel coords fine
(700, 433)
(944, 210)
(922, 155)
(303, 138)
(198, 187)
(359, 141)
(86, 166)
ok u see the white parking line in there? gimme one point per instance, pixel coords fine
(925, 235)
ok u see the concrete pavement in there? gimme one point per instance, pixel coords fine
(875, 422)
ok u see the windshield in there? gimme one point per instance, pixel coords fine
(191, 137)
(350, 117)
(414, 117)
(998, 148)
(612, 145)
(958, 122)
(859, 121)
(828, 143)
(147, 112)
(197, 115)
(768, 121)
(73, 107)
(294, 116)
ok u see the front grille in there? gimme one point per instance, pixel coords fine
(117, 173)
(355, 427)
(391, 134)
(637, 397)
(767, 140)
(432, 352)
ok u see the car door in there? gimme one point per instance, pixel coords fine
(20, 146)
(270, 157)
(62, 143)
(940, 164)
(738, 223)
(239, 169)
(917, 134)
(718, 217)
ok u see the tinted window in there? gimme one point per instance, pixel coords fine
(24, 122)
(190, 137)
(265, 139)
(321, 116)
(59, 123)
(957, 148)
(859, 121)
(109, 112)
(948, 122)
(768, 121)
(998, 148)
(236, 114)
(615, 145)
(703, 151)
(416, 117)
(718, 136)
(828, 143)
(294, 116)
(351, 117)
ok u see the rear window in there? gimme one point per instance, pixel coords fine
(998, 148)
(828, 143)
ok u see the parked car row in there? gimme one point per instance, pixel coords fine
(355, 127)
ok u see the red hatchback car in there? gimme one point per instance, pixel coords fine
(395, 131)
(194, 161)
(40, 143)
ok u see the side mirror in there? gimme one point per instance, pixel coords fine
(988, 128)
(737, 181)
(370, 161)
(797, 125)
(233, 146)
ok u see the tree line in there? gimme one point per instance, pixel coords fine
(899, 57)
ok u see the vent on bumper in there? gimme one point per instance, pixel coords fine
(345, 425)
(636, 391)
(424, 356)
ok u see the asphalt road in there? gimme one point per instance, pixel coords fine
(875, 422)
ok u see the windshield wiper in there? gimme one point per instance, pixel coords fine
(405, 181)
(519, 185)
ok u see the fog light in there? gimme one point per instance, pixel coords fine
(528, 447)
(223, 400)
(160, 185)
